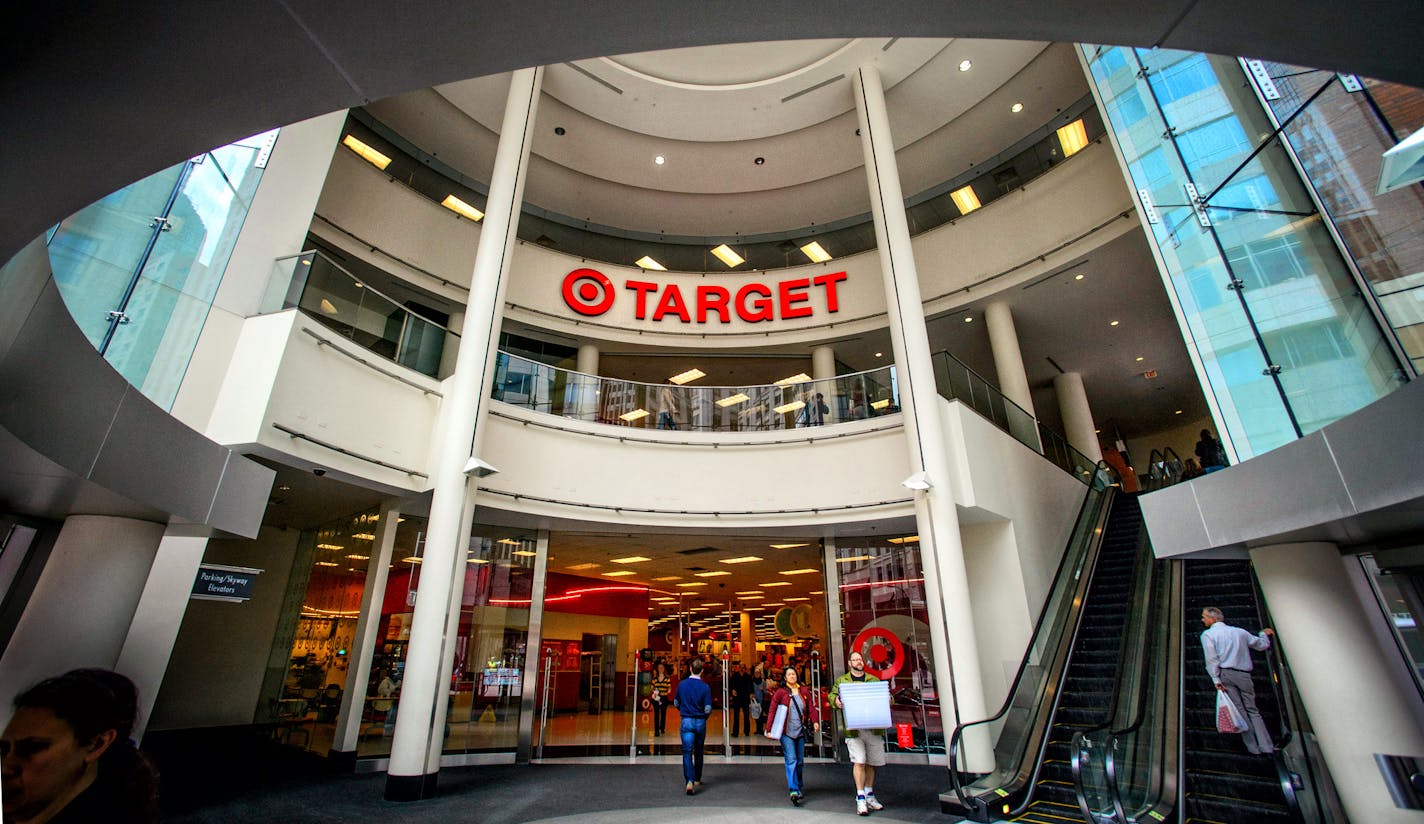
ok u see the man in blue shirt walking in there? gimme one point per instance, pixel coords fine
(694, 704)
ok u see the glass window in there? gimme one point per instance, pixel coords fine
(1185, 77)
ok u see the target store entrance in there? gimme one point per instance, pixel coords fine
(624, 618)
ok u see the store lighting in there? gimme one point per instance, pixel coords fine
(769, 584)
(687, 377)
(788, 407)
(725, 254)
(631, 559)
(818, 592)
(799, 377)
(524, 553)
(1078, 276)
(806, 571)
(1073, 137)
(733, 400)
(578, 567)
(853, 559)
(1139, 359)
(1016, 108)
(777, 604)
(508, 541)
(329, 308)
(619, 573)
(646, 262)
(359, 557)
(410, 559)
(1114, 323)
(752, 597)
(788, 546)
(798, 598)
(364, 536)
(965, 65)
(745, 559)
(367, 153)
(965, 199)
(669, 578)
(816, 252)
(716, 573)
(462, 208)
(329, 546)
(476, 561)
(326, 563)
(749, 592)
(634, 415)
(692, 584)
(908, 539)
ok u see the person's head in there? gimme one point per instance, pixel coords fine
(696, 666)
(64, 731)
(790, 675)
(1212, 615)
(1206, 435)
(661, 668)
(856, 662)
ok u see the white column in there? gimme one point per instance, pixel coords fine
(587, 364)
(946, 582)
(453, 602)
(461, 412)
(1343, 675)
(159, 614)
(823, 371)
(83, 603)
(1008, 360)
(1077, 415)
(364, 642)
(450, 353)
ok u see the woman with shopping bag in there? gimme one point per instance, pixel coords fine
(788, 715)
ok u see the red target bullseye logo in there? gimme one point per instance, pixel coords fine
(588, 292)
(884, 654)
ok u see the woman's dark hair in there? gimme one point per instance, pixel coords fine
(92, 701)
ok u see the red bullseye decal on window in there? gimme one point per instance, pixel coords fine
(884, 654)
(588, 292)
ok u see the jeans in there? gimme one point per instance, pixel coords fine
(694, 735)
(741, 720)
(660, 709)
(793, 750)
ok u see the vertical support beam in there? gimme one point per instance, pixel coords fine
(450, 353)
(532, 659)
(1077, 415)
(454, 600)
(1343, 675)
(347, 738)
(1008, 360)
(823, 371)
(159, 615)
(587, 389)
(956, 651)
(463, 408)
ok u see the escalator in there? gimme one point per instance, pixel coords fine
(1067, 681)
(1221, 782)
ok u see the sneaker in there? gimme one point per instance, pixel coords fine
(861, 808)
(691, 790)
(873, 804)
(796, 799)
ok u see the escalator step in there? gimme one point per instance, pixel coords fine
(1233, 810)
(1050, 813)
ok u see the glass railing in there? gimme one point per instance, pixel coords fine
(341, 302)
(1019, 727)
(805, 404)
(958, 382)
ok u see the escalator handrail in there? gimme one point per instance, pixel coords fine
(957, 736)
(1143, 614)
(1279, 675)
(1167, 615)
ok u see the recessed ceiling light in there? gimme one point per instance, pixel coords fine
(965, 199)
(880, 404)
(462, 208)
(1113, 323)
(745, 559)
(965, 65)
(799, 377)
(1078, 276)
(669, 578)
(692, 584)
(369, 154)
(879, 354)
(798, 598)
(1016, 108)
(329, 546)
(646, 262)
(749, 592)
(1139, 359)
(733, 400)
(725, 254)
(752, 597)
(818, 592)
(476, 561)
(359, 557)
(968, 318)
(777, 604)
(660, 160)
(1178, 412)
(787, 546)
(524, 553)
(410, 559)
(1073, 138)
(634, 415)
(631, 559)
(788, 407)
(329, 308)
(807, 571)
(776, 584)
(687, 377)
(853, 559)
(578, 567)
(908, 539)
(815, 252)
(619, 573)
(759, 161)
(716, 573)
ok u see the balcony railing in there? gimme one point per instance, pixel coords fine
(343, 303)
(958, 382)
(804, 404)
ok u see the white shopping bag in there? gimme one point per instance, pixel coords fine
(778, 724)
(1228, 717)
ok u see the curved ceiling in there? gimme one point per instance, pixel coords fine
(603, 122)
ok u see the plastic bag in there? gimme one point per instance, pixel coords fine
(1228, 717)
(754, 708)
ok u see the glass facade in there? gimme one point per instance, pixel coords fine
(1285, 339)
(139, 269)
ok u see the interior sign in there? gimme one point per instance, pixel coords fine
(590, 293)
(216, 582)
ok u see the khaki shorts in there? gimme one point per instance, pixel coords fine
(867, 748)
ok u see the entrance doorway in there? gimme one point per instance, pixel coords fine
(624, 616)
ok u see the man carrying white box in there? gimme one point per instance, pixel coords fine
(862, 699)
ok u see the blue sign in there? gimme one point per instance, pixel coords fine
(225, 583)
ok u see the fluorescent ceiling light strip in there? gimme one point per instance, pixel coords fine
(797, 571)
(787, 546)
(816, 252)
(619, 573)
(687, 377)
(788, 407)
(725, 254)
(965, 199)
(646, 262)
(799, 377)
(367, 153)
(716, 573)
(631, 559)
(462, 208)
(745, 559)
(733, 400)
(634, 415)
(1073, 138)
